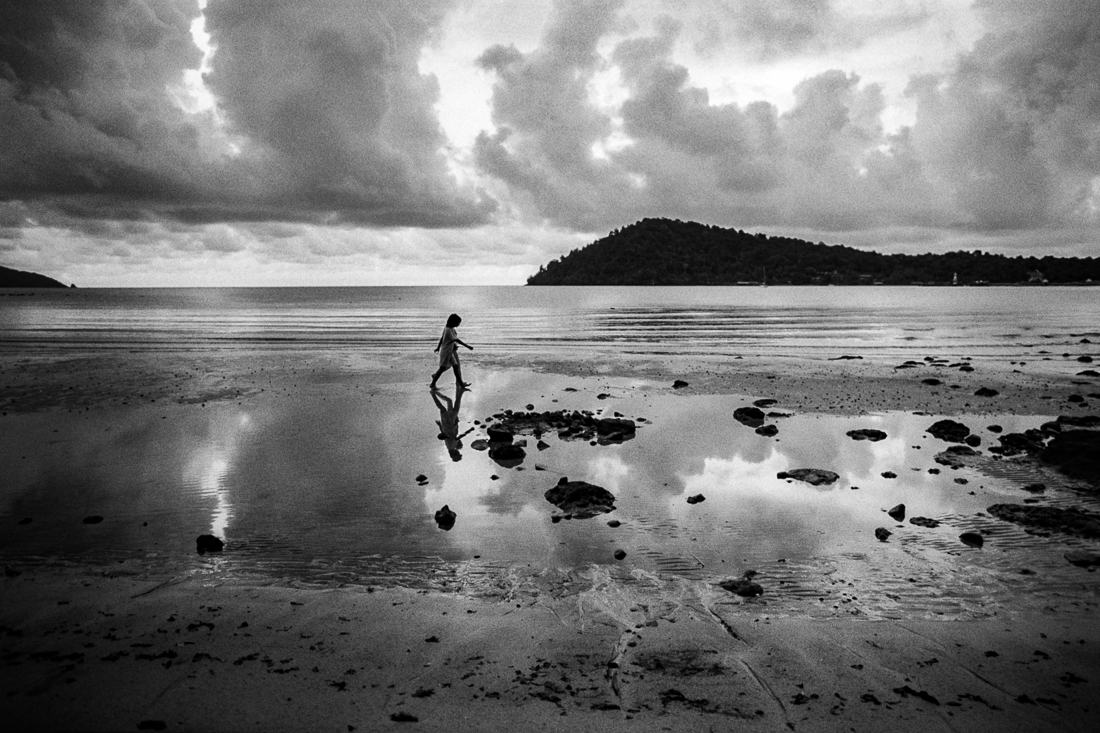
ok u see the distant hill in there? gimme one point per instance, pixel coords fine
(674, 252)
(10, 278)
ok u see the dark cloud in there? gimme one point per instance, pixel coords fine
(768, 31)
(1009, 139)
(323, 114)
(1014, 132)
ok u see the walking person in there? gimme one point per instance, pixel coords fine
(448, 352)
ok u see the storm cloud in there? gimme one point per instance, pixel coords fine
(1007, 140)
(322, 114)
(473, 140)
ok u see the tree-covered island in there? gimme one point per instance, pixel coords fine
(674, 252)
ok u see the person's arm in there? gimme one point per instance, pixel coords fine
(460, 341)
(440, 344)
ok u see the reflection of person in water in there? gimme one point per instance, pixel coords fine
(448, 423)
(448, 352)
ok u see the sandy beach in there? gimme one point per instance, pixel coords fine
(900, 635)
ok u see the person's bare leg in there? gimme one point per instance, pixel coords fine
(458, 378)
(436, 376)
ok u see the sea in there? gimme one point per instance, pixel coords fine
(880, 320)
(342, 487)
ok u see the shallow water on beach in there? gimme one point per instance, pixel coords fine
(326, 491)
(805, 321)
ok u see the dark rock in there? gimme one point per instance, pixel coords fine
(541, 445)
(994, 428)
(530, 408)
(1079, 421)
(1086, 359)
(696, 499)
(1075, 453)
(445, 518)
(986, 392)
(208, 543)
(1035, 488)
(1088, 373)
(507, 455)
(93, 519)
(679, 384)
(924, 522)
(742, 587)
(866, 434)
(421, 479)
(619, 554)
(813, 476)
(768, 431)
(897, 513)
(614, 523)
(966, 368)
(403, 717)
(751, 417)
(26, 520)
(845, 357)
(1083, 558)
(949, 431)
(882, 534)
(1013, 444)
(972, 440)
(931, 382)
(955, 456)
(499, 434)
(889, 474)
(602, 396)
(1071, 521)
(1075, 398)
(580, 500)
(765, 402)
(972, 539)
(480, 444)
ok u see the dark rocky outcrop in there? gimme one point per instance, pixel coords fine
(743, 586)
(813, 476)
(949, 431)
(445, 518)
(575, 425)
(897, 513)
(956, 456)
(924, 522)
(205, 543)
(579, 499)
(1075, 453)
(752, 417)
(1083, 558)
(507, 455)
(866, 434)
(1072, 521)
(972, 539)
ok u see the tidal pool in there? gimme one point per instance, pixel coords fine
(301, 485)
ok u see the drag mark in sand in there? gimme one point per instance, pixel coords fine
(767, 688)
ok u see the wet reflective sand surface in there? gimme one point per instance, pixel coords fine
(322, 487)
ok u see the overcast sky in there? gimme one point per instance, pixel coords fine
(373, 142)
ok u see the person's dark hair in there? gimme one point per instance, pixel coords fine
(453, 320)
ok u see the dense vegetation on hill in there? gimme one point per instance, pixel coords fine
(674, 252)
(10, 278)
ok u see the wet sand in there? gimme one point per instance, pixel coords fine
(125, 645)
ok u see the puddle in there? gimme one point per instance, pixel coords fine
(326, 489)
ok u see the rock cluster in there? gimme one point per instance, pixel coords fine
(579, 499)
